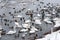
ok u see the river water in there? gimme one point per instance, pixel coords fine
(12, 37)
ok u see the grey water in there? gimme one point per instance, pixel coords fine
(12, 37)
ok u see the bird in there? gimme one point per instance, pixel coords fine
(11, 32)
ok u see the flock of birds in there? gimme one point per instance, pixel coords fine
(28, 20)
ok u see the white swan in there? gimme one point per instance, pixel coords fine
(26, 25)
(33, 30)
(57, 21)
(38, 21)
(47, 20)
(12, 31)
(27, 21)
(18, 25)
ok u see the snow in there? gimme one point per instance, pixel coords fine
(52, 36)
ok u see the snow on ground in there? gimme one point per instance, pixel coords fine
(52, 36)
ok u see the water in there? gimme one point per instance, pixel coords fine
(6, 10)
